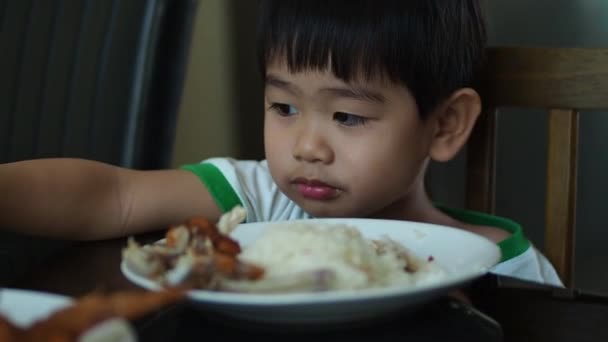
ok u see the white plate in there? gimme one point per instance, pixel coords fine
(464, 255)
(23, 307)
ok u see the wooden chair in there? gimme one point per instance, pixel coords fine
(562, 81)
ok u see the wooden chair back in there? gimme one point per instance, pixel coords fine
(563, 81)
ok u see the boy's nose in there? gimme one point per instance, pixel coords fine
(311, 146)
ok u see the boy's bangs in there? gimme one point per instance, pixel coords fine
(336, 38)
(432, 47)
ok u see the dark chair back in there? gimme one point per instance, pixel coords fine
(93, 79)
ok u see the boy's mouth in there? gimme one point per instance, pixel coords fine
(315, 189)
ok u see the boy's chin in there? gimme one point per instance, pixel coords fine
(325, 210)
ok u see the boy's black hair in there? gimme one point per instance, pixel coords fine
(433, 47)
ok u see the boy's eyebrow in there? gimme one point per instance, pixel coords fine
(274, 81)
(351, 91)
(356, 93)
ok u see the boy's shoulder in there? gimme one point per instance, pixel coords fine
(493, 233)
(493, 227)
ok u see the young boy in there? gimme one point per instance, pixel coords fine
(359, 97)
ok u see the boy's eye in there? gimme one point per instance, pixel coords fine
(284, 109)
(349, 119)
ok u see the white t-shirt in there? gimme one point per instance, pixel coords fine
(250, 184)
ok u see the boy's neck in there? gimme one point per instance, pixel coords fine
(419, 207)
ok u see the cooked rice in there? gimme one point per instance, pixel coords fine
(357, 262)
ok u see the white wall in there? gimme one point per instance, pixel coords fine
(205, 123)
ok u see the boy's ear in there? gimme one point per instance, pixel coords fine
(454, 120)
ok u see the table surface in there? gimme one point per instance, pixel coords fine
(522, 311)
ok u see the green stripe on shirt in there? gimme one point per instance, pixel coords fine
(218, 186)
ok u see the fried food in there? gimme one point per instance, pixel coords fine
(197, 254)
(95, 316)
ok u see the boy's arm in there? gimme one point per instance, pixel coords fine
(82, 199)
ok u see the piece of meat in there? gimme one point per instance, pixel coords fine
(230, 220)
(195, 254)
(70, 323)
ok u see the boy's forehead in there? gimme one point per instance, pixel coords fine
(279, 68)
(314, 81)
